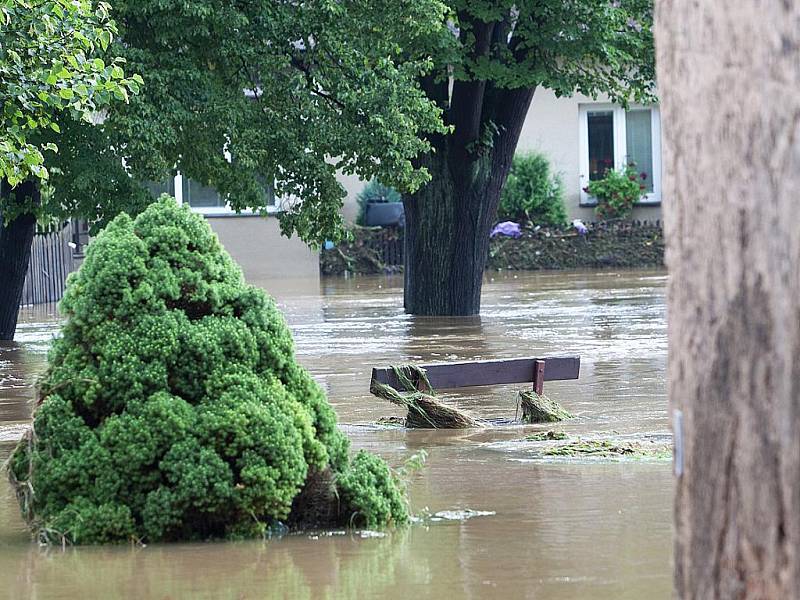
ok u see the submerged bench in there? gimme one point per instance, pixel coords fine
(490, 372)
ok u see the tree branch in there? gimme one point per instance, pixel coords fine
(509, 109)
(466, 106)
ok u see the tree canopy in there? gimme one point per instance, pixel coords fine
(50, 64)
(239, 93)
(291, 93)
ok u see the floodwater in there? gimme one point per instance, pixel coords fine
(560, 529)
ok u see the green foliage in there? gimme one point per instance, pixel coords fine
(617, 192)
(532, 193)
(374, 191)
(50, 64)
(566, 46)
(371, 492)
(173, 406)
(359, 87)
(295, 92)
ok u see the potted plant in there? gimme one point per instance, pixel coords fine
(617, 192)
(379, 205)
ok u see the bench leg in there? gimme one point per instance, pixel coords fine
(538, 377)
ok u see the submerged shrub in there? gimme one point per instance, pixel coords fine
(357, 489)
(173, 407)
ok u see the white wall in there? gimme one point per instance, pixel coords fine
(263, 253)
(551, 127)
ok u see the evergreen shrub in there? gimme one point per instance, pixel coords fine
(173, 407)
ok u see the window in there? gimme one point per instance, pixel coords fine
(198, 195)
(611, 137)
(601, 142)
(156, 189)
(203, 199)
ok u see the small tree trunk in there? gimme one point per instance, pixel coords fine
(16, 238)
(728, 78)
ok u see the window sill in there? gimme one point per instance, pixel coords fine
(219, 212)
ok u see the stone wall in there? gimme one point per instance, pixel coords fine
(628, 244)
(605, 245)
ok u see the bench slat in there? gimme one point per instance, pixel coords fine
(489, 372)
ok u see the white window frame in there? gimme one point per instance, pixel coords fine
(220, 211)
(620, 147)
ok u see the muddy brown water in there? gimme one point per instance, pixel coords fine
(559, 529)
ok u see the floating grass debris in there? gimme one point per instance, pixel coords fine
(425, 411)
(391, 421)
(426, 516)
(610, 449)
(544, 436)
(541, 409)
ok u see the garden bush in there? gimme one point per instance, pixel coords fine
(374, 191)
(533, 193)
(173, 407)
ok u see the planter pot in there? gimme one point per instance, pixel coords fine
(384, 214)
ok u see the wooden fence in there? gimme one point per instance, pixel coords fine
(51, 261)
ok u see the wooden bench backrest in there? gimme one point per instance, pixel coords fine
(491, 372)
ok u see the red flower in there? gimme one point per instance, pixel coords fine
(642, 187)
(643, 176)
(632, 177)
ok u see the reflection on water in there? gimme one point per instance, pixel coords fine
(561, 530)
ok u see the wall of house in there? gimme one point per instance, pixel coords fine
(264, 254)
(551, 127)
(352, 185)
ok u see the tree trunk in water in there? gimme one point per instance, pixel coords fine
(728, 78)
(446, 243)
(16, 238)
(448, 220)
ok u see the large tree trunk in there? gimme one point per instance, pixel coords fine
(447, 241)
(728, 77)
(448, 221)
(16, 238)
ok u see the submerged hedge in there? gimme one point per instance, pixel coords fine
(173, 407)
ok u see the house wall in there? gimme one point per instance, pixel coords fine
(352, 185)
(264, 254)
(551, 127)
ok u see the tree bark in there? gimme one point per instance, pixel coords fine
(728, 77)
(448, 221)
(16, 238)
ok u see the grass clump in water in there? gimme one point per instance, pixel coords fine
(544, 436)
(541, 409)
(173, 407)
(609, 449)
(425, 411)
